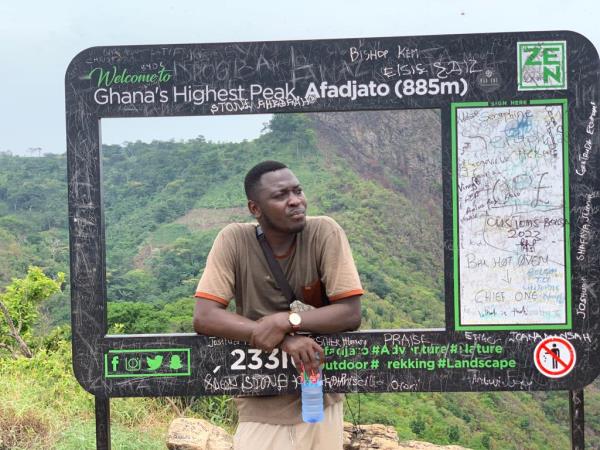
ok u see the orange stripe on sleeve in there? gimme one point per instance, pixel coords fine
(208, 296)
(346, 295)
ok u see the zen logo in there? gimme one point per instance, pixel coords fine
(542, 65)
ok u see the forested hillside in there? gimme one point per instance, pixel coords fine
(377, 173)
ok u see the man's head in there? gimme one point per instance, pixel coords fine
(275, 198)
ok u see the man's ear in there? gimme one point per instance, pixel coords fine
(254, 209)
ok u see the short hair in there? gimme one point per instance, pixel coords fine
(253, 176)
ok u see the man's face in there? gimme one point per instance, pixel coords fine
(279, 203)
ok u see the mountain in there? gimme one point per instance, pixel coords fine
(377, 173)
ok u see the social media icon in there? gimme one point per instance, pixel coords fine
(175, 363)
(133, 364)
(154, 363)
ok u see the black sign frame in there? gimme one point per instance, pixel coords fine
(500, 69)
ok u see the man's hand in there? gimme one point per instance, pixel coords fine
(270, 331)
(304, 351)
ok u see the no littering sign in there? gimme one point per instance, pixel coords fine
(554, 357)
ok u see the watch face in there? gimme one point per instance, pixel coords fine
(295, 319)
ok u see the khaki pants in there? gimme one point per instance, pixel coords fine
(325, 435)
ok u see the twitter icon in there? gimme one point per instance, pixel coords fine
(154, 363)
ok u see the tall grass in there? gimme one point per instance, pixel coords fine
(43, 407)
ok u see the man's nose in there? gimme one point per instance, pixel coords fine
(294, 199)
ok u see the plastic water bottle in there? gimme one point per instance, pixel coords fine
(312, 396)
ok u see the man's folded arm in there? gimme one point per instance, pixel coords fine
(212, 319)
(341, 315)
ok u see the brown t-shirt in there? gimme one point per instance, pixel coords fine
(319, 263)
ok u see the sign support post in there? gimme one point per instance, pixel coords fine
(577, 419)
(102, 407)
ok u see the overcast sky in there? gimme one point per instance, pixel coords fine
(38, 39)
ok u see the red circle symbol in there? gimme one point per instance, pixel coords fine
(554, 357)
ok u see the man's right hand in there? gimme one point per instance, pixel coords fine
(304, 351)
(269, 331)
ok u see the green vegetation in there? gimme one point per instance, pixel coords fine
(19, 307)
(164, 203)
(44, 407)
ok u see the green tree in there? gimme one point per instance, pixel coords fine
(136, 317)
(292, 127)
(19, 305)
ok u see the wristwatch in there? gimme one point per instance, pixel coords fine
(295, 321)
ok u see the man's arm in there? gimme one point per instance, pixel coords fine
(343, 315)
(211, 318)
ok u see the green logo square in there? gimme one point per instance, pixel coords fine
(542, 65)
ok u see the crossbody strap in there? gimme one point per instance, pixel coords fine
(280, 278)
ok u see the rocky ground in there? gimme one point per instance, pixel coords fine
(198, 434)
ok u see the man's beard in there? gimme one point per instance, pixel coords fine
(294, 229)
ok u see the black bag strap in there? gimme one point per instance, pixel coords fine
(280, 278)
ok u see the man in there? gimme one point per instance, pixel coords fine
(316, 259)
